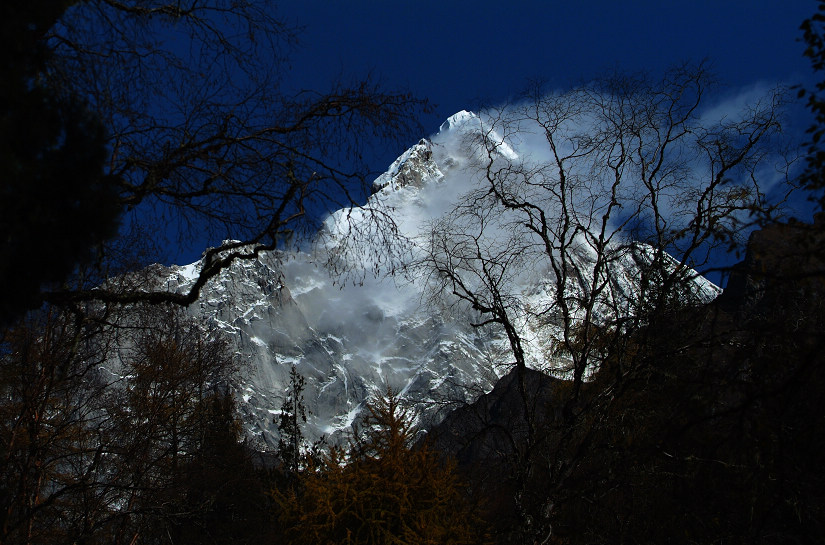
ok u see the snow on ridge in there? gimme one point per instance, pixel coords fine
(429, 158)
(463, 124)
(350, 341)
(189, 272)
(459, 119)
(425, 181)
(412, 167)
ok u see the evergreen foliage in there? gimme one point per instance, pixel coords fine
(380, 491)
(224, 496)
(293, 415)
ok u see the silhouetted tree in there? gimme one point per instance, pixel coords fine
(224, 497)
(634, 177)
(180, 114)
(107, 435)
(713, 437)
(204, 133)
(169, 370)
(50, 422)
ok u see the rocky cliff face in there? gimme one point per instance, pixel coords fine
(351, 340)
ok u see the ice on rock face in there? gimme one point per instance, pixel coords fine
(348, 342)
(427, 160)
(351, 341)
(413, 168)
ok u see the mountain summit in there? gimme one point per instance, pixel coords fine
(382, 326)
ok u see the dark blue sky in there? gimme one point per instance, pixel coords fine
(463, 54)
(460, 53)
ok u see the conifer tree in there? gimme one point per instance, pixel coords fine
(293, 414)
(382, 490)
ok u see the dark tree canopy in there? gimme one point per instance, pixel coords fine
(813, 35)
(56, 202)
(181, 115)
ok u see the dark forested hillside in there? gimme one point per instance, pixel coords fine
(713, 431)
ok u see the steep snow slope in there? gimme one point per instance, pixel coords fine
(357, 336)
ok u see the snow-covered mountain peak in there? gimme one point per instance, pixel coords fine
(352, 340)
(461, 140)
(426, 160)
(467, 134)
(413, 167)
(461, 120)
